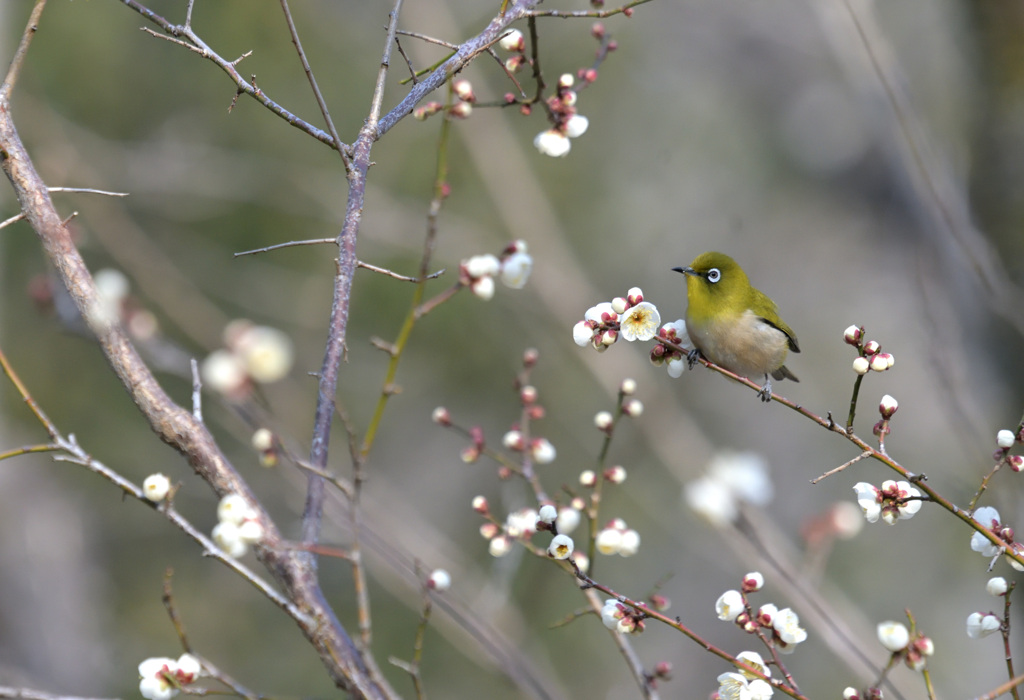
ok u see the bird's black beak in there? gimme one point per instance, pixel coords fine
(686, 271)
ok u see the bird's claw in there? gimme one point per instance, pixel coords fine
(766, 390)
(691, 357)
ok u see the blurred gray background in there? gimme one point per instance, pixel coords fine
(759, 129)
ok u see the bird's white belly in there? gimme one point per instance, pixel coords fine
(746, 345)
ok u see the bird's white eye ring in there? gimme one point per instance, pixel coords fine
(714, 274)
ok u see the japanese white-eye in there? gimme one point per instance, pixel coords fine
(734, 325)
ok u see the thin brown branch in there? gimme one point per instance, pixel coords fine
(19, 55)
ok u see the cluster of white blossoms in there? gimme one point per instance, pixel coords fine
(871, 357)
(633, 318)
(238, 526)
(460, 109)
(157, 674)
(732, 479)
(783, 626)
(742, 684)
(895, 637)
(988, 517)
(512, 267)
(250, 354)
(895, 500)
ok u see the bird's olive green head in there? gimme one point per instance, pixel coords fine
(715, 285)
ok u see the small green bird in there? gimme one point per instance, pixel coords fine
(734, 325)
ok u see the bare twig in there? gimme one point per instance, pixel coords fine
(87, 190)
(312, 80)
(404, 278)
(289, 244)
(19, 55)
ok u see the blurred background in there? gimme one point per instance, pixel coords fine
(881, 189)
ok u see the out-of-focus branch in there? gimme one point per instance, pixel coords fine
(174, 424)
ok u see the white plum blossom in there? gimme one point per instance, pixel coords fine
(630, 543)
(515, 270)
(576, 126)
(608, 541)
(1005, 439)
(729, 605)
(547, 514)
(732, 479)
(228, 537)
(894, 636)
(787, 627)
(989, 518)
(736, 686)
(521, 523)
(568, 520)
(711, 500)
(561, 547)
(439, 580)
(869, 499)
(582, 334)
(486, 265)
(552, 143)
(755, 661)
(156, 487)
(512, 41)
(982, 625)
(154, 684)
(267, 353)
(640, 322)
(997, 586)
(500, 546)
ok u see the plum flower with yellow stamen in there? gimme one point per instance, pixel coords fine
(640, 322)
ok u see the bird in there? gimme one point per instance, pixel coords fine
(733, 324)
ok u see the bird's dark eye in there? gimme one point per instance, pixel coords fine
(714, 274)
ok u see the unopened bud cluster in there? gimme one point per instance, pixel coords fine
(512, 267)
(460, 109)
(871, 357)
